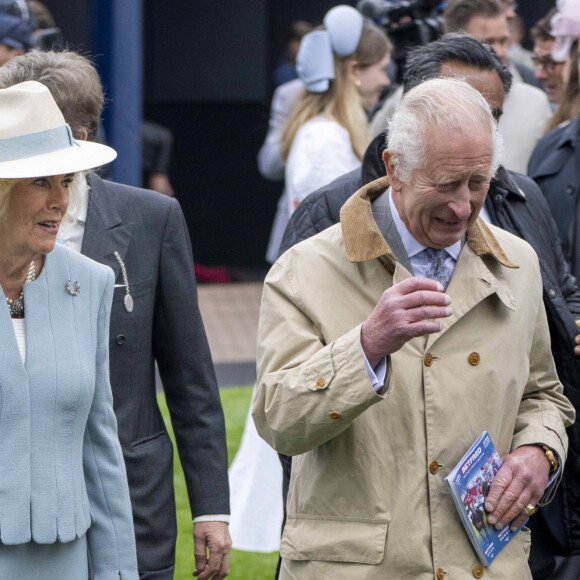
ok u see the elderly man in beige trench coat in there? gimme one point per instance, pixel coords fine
(378, 381)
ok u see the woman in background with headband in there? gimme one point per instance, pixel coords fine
(344, 69)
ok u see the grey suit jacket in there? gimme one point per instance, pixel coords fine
(149, 232)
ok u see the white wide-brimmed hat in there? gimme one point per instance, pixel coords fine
(35, 140)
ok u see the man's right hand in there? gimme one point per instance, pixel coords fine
(405, 310)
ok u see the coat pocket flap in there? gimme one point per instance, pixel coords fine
(334, 539)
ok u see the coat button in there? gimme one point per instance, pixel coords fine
(477, 571)
(428, 359)
(440, 574)
(121, 339)
(473, 359)
(335, 416)
(320, 383)
(433, 467)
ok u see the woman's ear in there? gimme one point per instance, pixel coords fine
(353, 70)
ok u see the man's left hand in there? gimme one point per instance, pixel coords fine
(577, 341)
(212, 537)
(520, 481)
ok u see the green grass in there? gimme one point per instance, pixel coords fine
(243, 565)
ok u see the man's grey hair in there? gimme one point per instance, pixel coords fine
(447, 105)
(72, 80)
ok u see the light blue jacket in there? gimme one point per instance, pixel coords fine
(61, 468)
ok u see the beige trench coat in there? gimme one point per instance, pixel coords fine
(367, 496)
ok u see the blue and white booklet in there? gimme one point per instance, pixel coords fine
(469, 483)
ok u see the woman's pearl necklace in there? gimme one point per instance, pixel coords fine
(16, 306)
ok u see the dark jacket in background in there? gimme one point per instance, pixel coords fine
(149, 232)
(555, 166)
(157, 143)
(516, 204)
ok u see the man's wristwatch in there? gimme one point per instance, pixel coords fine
(551, 457)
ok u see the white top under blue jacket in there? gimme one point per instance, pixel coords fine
(61, 469)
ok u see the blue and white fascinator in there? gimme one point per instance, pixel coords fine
(315, 60)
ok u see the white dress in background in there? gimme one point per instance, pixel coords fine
(270, 162)
(255, 494)
(320, 153)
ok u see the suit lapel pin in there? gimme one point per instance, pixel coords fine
(128, 300)
(73, 292)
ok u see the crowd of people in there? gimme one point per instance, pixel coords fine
(422, 292)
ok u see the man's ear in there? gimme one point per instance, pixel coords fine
(390, 167)
(83, 135)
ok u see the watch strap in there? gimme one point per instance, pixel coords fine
(551, 457)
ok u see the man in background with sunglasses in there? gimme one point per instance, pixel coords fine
(548, 71)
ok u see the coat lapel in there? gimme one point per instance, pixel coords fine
(386, 224)
(105, 232)
(471, 283)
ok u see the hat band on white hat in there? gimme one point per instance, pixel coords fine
(40, 143)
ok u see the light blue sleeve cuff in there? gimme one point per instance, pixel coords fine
(378, 374)
(225, 518)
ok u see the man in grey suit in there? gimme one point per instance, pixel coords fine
(143, 237)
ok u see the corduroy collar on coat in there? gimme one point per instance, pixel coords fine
(364, 241)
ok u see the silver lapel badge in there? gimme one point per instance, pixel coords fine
(128, 300)
(73, 292)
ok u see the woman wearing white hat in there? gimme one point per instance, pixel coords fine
(64, 499)
(344, 70)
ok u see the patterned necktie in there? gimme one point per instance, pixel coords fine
(436, 269)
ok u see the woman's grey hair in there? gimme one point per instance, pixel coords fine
(438, 105)
(74, 196)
